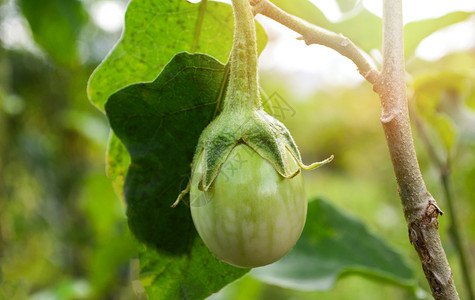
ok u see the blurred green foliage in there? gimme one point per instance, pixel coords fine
(63, 233)
(56, 25)
(62, 230)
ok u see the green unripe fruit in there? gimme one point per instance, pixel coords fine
(250, 216)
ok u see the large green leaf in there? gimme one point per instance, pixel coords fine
(160, 123)
(56, 25)
(155, 30)
(333, 244)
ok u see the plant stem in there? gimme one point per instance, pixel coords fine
(316, 35)
(243, 90)
(445, 178)
(420, 208)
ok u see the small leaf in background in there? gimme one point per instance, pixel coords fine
(447, 131)
(154, 120)
(365, 28)
(415, 32)
(333, 244)
(304, 9)
(444, 88)
(56, 25)
(154, 32)
(347, 5)
(437, 100)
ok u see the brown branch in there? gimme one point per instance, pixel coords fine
(420, 208)
(312, 34)
(444, 168)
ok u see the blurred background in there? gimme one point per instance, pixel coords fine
(63, 233)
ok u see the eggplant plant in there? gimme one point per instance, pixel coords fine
(175, 134)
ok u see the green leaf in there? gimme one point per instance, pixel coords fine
(333, 244)
(446, 129)
(154, 120)
(56, 25)
(443, 91)
(365, 28)
(415, 32)
(347, 5)
(433, 92)
(118, 161)
(155, 30)
(194, 275)
(429, 88)
(306, 10)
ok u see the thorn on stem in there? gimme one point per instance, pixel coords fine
(307, 41)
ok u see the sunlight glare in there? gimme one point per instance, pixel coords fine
(457, 37)
(423, 9)
(15, 32)
(319, 66)
(329, 8)
(108, 15)
(311, 67)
